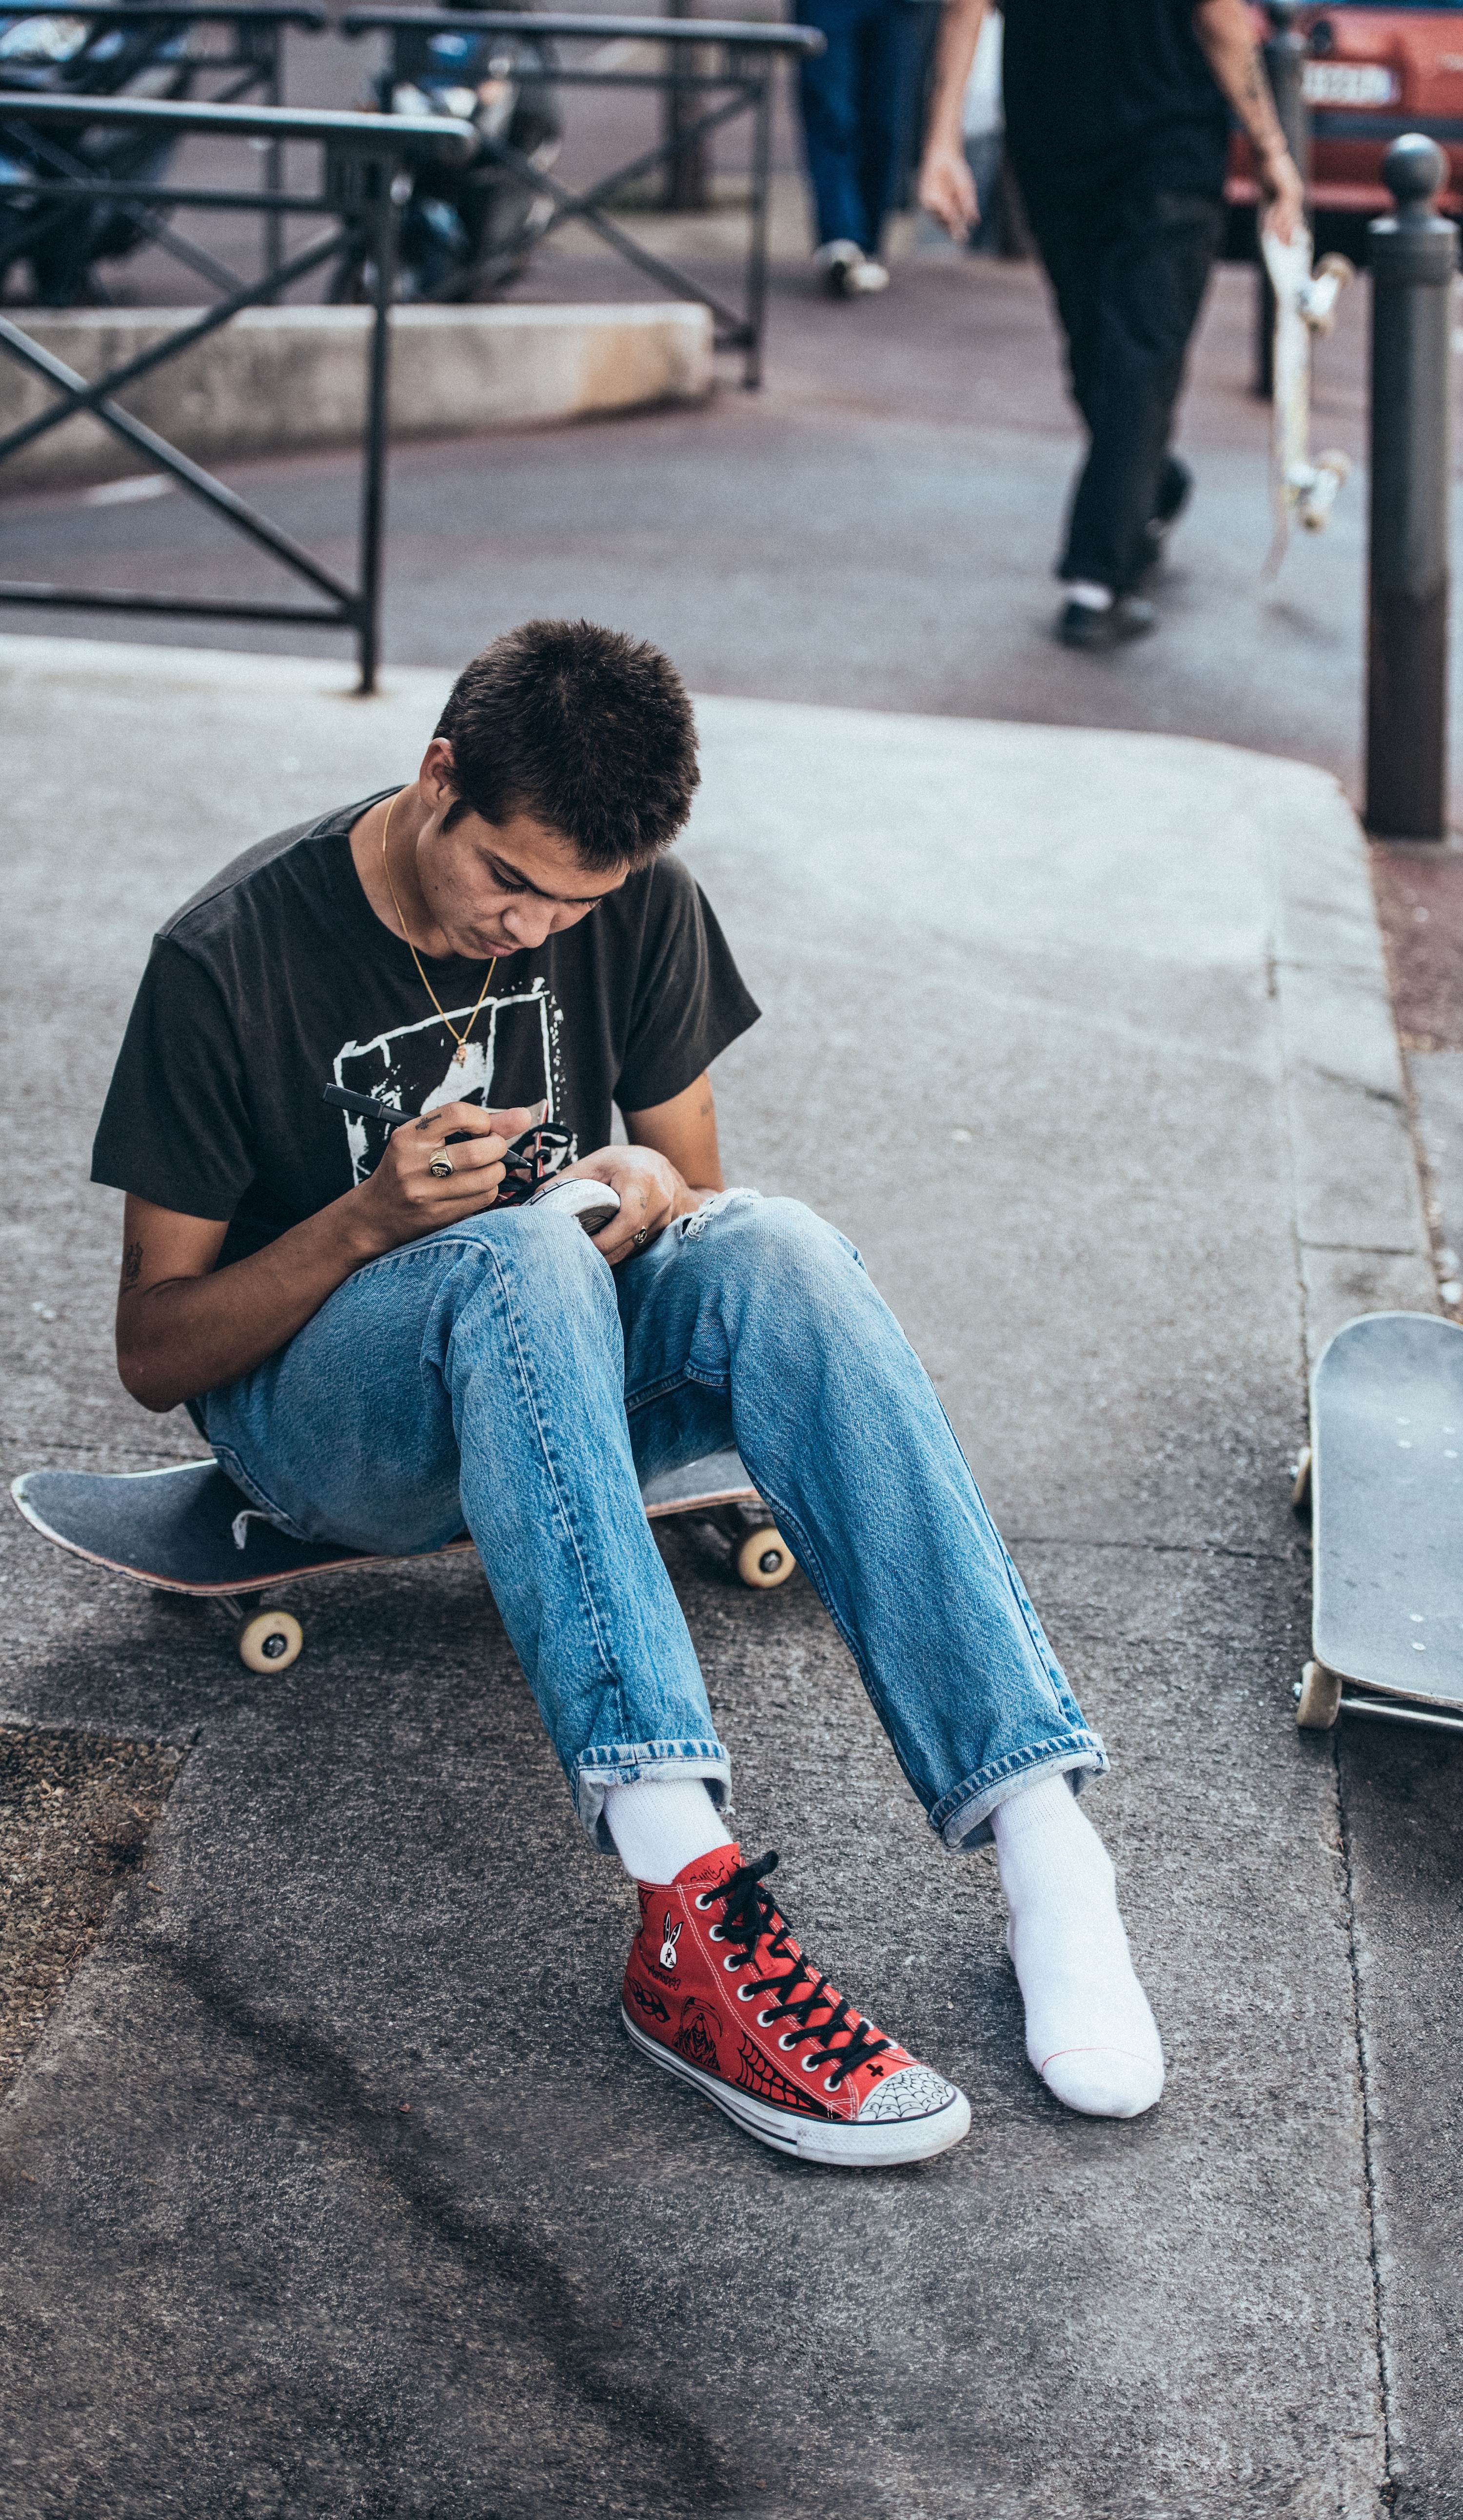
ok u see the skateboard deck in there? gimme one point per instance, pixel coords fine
(189, 1529)
(1303, 486)
(1386, 1485)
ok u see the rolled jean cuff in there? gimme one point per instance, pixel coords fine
(963, 1816)
(633, 1763)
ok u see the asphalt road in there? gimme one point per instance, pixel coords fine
(875, 527)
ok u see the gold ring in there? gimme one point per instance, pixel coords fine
(440, 1166)
(639, 1240)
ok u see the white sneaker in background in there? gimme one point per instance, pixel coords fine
(835, 261)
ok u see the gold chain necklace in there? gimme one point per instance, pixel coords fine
(459, 1055)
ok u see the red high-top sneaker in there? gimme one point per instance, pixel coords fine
(717, 1990)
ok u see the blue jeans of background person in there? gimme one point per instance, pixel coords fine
(500, 1372)
(857, 101)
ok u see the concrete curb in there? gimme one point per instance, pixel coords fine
(282, 378)
(1360, 1225)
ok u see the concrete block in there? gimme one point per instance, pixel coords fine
(280, 379)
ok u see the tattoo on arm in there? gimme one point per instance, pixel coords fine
(131, 1267)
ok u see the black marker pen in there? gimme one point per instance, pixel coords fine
(366, 1104)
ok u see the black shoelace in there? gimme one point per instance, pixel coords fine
(529, 1163)
(749, 1918)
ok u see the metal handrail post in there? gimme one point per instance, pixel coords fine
(274, 221)
(390, 178)
(1285, 53)
(685, 170)
(1413, 258)
(762, 157)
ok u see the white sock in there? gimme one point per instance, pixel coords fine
(1088, 2029)
(1086, 591)
(662, 1825)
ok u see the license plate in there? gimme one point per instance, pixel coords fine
(1350, 83)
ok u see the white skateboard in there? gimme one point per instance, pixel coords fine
(1303, 486)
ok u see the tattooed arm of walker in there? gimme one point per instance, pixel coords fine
(131, 1267)
(1227, 41)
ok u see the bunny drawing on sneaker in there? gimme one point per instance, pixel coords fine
(382, 1345)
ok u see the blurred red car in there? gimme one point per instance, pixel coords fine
(1371, 73)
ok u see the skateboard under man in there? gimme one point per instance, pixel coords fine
(1384, 1475)
(189, 1529)
(1303, 486)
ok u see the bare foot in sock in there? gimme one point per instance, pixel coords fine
(1088, 2029)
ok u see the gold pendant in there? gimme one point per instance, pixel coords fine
(459, 1055)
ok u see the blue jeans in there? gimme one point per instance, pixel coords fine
(857, 101)
(500, 1374)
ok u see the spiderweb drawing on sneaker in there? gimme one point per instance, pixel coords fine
(914, 2092)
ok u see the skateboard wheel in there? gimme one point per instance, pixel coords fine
(1299, 1494)
(763, 1558)
(270, 1641)
(1318, 1701)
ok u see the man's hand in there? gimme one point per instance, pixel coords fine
(403, 1199)
(1283, 190)
(652, 1194)
(947, 189)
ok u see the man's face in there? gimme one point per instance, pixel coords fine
(498, 887)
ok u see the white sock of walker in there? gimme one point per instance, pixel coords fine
(1088, 2029)
(662, 1825)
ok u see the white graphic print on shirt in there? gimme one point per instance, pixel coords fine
(516, 1038)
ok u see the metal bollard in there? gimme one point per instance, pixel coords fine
(1413, 258)
(1284, 53)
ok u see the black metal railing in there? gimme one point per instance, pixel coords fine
(740, 84)
(365, 163)
(244, 59)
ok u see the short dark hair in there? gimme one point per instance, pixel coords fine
(589, 731)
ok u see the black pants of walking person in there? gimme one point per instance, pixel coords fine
(1128, 260)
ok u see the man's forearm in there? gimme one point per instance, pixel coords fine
(184, 1335)
(954, 51)
(1227, 41)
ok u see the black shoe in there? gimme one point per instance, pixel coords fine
(1080, 625)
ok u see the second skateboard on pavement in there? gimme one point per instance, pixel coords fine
(1383, 1477)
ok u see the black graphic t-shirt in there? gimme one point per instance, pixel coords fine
(277, 977)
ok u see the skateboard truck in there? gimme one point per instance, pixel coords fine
(1321, 1697)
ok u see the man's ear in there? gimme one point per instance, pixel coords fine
(438, 776)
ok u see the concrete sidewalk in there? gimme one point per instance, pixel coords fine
(334, 2187)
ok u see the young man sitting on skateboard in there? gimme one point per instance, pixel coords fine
(378, 1352)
